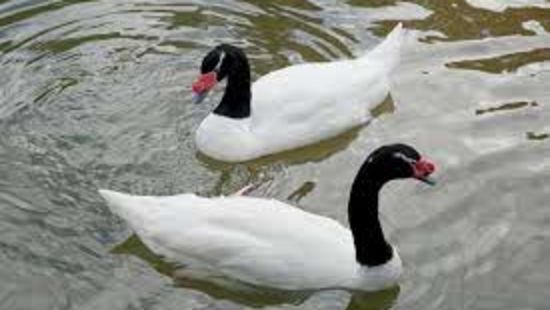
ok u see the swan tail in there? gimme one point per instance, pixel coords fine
(125, 206)
(388, 52)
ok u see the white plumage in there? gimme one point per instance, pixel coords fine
(268, 243)
(303, 104)
(259, 241)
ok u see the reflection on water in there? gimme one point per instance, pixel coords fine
(507, 106)
(95, 94)
(537, 136)
(505, 63)
(458, 20)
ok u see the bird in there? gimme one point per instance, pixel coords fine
(291, 107)
(268, 243)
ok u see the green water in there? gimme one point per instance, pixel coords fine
(96, 94)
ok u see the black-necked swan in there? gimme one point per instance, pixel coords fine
(291, 107)
(268, 243)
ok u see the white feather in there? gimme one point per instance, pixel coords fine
(263, 242)
(303, 104)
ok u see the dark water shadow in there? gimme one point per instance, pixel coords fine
(243, 293)
(379, 300)
(537, 136)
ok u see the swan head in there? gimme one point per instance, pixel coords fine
(218, 63)
(399, 161)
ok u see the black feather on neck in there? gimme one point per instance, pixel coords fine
(236, 99)
(371, 247)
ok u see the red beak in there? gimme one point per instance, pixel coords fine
(205, 82)
(422, 170)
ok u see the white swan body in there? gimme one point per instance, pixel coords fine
(303, 104)
(268, 243)
(259, 241)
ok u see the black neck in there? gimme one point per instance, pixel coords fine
(236, 99)
(371, 248)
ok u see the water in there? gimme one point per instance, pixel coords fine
(95, 94)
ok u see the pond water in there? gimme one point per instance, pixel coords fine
(96, 94)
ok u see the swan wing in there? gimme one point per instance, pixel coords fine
(259, 241)
(317, 100)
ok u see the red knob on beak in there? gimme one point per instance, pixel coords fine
(422, 170)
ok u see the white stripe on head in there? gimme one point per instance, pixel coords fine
(404, 157)
(220, 61)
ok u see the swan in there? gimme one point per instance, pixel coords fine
(291, 107)
(268, 243)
